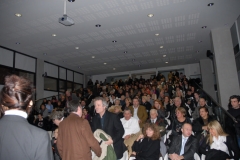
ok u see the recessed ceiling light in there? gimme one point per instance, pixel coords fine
(79, 67)
(200, 41)
(71, 0)
(157, 34)
(18, 15)
(63, 61)
(210, 4)
(161, 46)
(114, 41)
(150, 15)
(139, 65)
(54, 35)
(93, 56)
(98, 25)
(114, 68)
(125, 52)
(133, 59)
(164, 55)
(44, 54)
(166, 62)
(76, 47)
(203, 27)
(197, 51)
(17, 43)
(104, 63)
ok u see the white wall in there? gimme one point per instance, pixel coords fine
(6, 57)
(189, 69)
(49, 93)
(25, 63)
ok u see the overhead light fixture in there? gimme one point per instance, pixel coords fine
(157, 34)
(125, 52)
(17, 43)
(166, 62)
(76, 47)
(164, 55)
(114, 41)
(44, 54)
(104, 63)
(200, 41)
(161, 46)
(133, 59)
(71, 0)
(79, 67)
(18, 15)
(210, 4)
(150, 15)
(98, 25)
(203, 27)
(139, 65)
(54, 35)
(114, 68)
(63, 61)
(197, 51)
(93, 56)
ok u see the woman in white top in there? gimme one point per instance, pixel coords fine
(218, 144)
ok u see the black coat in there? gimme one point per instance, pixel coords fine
(198, 124)
(189, 149)
(113, 127)
(147, 149)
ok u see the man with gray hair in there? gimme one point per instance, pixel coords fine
(75, 138)
(109, 123)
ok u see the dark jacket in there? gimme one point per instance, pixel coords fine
(176, 126)
(189, 149)
(113, 127)
(147, 149)
(198, 124)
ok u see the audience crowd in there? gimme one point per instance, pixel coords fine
(143, 119)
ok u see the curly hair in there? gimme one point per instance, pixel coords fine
(154, 127)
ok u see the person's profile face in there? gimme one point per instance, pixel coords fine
(203, 113)
(135, 102)
(202, 102)
(186, 130)
(234, 103)
(99, 106)
(149, 132)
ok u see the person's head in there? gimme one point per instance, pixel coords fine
(158, 104)
(186, 129)
(135, 102)
(68, 93)
(144, 99)
(117, 102)
(196, 95)
(166, 99)
(44, 100)
(74, 106)
(180, 112)
(234, 101)
(83, 103)
(85, 111)
(153, 113)
(203, 111)
(57, 117)
(89, 91)
(40, 116)
(16, 94)
(127, 113)
(215, 130)
(49, 102)
(150, 130)
(202, 102)
(117, 109)
(43, 107)
(177, 101)
(59, 103)
(128, 101)
(100, 105)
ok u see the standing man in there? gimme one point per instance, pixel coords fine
(183, 146)
(139, 112)
(75, 138)
(19, 139)
(109, 123)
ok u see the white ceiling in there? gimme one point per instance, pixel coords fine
(178, 23)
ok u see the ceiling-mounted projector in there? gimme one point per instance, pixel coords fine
(65, 20)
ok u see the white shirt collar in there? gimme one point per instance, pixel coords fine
(16, 113)
(185, 137)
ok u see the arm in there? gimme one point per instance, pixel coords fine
(173, 145)
(144, 116)
(118, 129)
(88, 135)
(44, 148)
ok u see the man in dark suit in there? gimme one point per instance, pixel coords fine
(89, 97)
(109, 123)
(19, 139)
(183, 146)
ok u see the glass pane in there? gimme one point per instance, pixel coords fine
(4, 71)
(50, 84)
(69, 86)
(62, 86)
(77, 87)
(27, 75)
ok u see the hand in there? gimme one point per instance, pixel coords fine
(109, 142)
(134, 153)
(127, 136)
(55, 141)
(205, 128)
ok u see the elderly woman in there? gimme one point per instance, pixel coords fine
(218, 145)
(147, 145)
(178, 122)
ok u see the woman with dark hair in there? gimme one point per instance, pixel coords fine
(19, 139)
(147, 145)
(160, 108)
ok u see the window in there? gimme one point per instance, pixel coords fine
(62, 86)
(4, 71)
(50, 84)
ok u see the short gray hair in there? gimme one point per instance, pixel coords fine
(56, 115)
(153, 111)
(104, 102)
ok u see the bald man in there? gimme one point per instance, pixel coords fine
(183, 146)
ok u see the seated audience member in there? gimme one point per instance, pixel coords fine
(44, 101)
(44, 111)
(202, 103)
(131, 129)
(49, 106)
(166, 104)
(40, 122)
(160, 108)
(183, 146)
(128, 103)
(117, 102)
(234, 110)
(160, 122)
(200, 124)
(86, 115)
(122, 100)
(59, 105)
(146, 104)
(177, 104)
(118, 111)
(83, 104)
(149, 146)
(54, 102)
(218, 145)
(178, 122)
(139, 112)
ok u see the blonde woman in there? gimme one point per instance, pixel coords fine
(219, 145)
